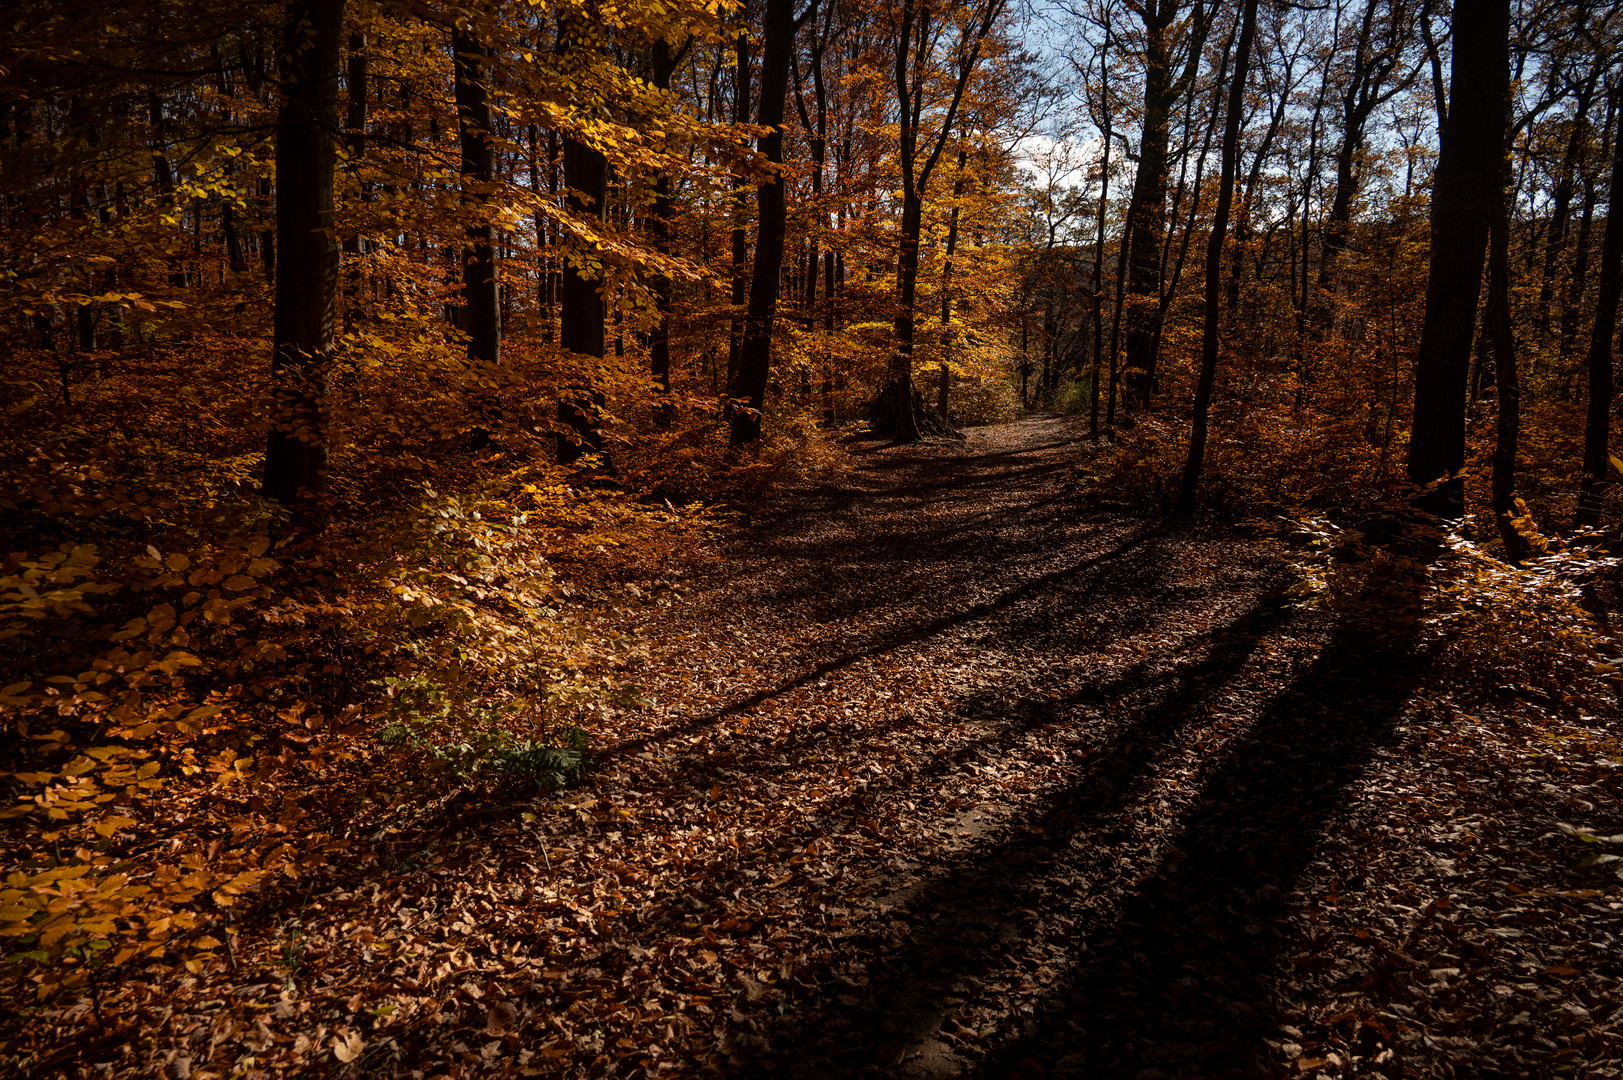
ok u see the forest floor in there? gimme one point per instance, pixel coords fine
(950, 774)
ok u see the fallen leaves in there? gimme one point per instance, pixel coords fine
(1058, 797)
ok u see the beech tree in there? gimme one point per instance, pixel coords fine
(307, 264)
(1463, 202)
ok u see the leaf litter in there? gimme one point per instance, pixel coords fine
(950, 773)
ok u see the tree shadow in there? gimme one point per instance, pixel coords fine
(1173, 972)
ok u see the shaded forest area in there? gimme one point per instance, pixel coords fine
(810, 537)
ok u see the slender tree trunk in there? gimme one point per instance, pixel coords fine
(480, 294)
(772, 212)
(580, 331)
(1507, 428)
(1597, 425)
(740, 236)
(355, 149)
(1146, 217)
(307, 272)
(1214, 262)
(1099, 268)
(1572, 299)
(1464, 198)
(659, 343)
(1561, 207)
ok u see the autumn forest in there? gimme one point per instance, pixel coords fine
(822, 538)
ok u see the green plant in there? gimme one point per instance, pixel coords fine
(468, 745)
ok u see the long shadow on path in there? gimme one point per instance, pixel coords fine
(1172, 972)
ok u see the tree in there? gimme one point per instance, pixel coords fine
(1462, 206)
(307, 269)
(480, 287)
(1214, 261)
(580, 331)
(918, 39)
(1166, 79)
(1598, 415)
(1371, 74)
(755, 354)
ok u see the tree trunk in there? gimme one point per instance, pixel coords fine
(480, 298)
(1597, 426)
(1464, 198)
(1214, 262)
(307, 271)
(1572, 299)
(580, 331)
(740, 235)
(1146, 217)
(1561, 206)
(771, 201)
(355, 148)
(1507, 428)
(659, 342)
(1099, 269)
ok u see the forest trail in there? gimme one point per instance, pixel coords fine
(947, 774)
(955, 776)
(979, 722)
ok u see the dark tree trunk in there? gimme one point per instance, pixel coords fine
(1464, 199)
(1214, 262)
(480, 296)
(1146, 213)
(659, 341)
(355, 147)
(307, 272)
(913, 50)
(1561, 206)
(1572, 299)
(740, 235)
(586, 175)
(1597, 426)
(1507, 429)
(1099, 268)
(771, 201)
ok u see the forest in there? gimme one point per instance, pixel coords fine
(908, 538)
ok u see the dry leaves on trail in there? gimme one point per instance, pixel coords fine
(950, 774)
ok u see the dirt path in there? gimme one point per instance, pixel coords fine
(981, 781)
(980, 736)
(950, 775)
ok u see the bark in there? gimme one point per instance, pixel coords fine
(1561, 203)
(580, 331)
(1507, 428)
(1464, 198)
(946, 280)
(817, 137)
(740, 235)
(355, 147)
(480, 293)
(748, 390)
(1371, 82)
(913, 48)
(307, 271)
(1098, 276)
(659, 342)
(1214, 262)
(1147, 211)
(1578, 280)
(1597, 425)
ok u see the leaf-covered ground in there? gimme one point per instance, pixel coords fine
(950, 774)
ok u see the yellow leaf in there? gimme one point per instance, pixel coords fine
(347, 1048)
